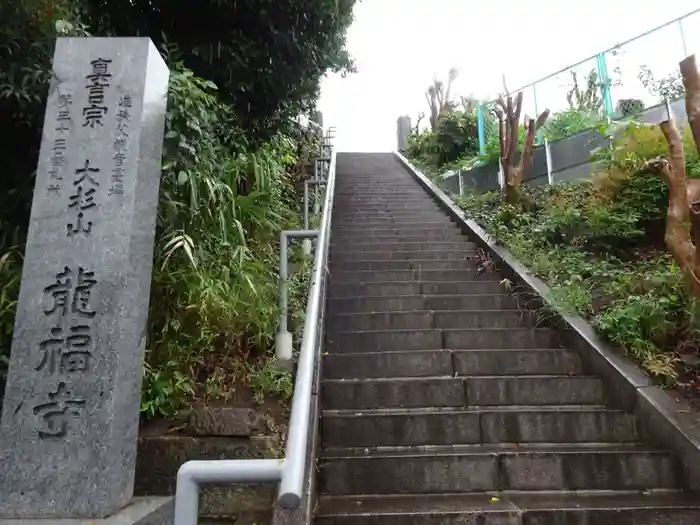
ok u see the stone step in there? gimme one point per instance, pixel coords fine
(447, 426)
(407, 228)
(533, 390)
(416, 363)
(388, 393)
(420, 319)
(471, 302)
(358, 223)
(621, 508)
(384, 290)
(423, 363)
(474, 391)
(438, 255)
(366, 202)
(385, 228)
(486, 286)
(385, 247)
(373, 276)
(390, 230)
(385, 196)
(419, 265)
(500, 338)
(420, 302)
(475, 338)
(494, 468)
(449, 235)
(377, 208)
(359, 211)
(384, 340)
(483, 319)
(378, 192)
(516, 362)
(436, 216)
(411, 218)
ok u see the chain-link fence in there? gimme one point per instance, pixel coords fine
(630, 79)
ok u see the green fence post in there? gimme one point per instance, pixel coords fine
(604, 84)
(685, 46)
(538, 138)
(480, 125)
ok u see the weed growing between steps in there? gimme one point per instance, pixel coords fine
(599, 245)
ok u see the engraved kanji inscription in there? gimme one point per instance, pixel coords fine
(66, 353)
(71, 293)
(120, 145)
(83, 198)
(60, 143)
(53, 414)
(96, 109)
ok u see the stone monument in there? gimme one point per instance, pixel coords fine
(403, 130)
(70, 415)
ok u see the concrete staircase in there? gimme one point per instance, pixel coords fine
(443, 404)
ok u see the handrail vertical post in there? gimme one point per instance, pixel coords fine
(283, 339)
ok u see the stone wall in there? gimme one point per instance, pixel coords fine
(211, 433)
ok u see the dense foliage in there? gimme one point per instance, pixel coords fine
(266, 56)
(454, 140)
(599, 245)
(569, 122)
(455, 143)
(214, 296)
(240, 70)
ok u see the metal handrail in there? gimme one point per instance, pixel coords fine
(290, 470)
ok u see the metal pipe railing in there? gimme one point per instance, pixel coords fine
(290, 470)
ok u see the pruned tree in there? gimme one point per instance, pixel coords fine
(469, 104)
(439, 98)
(588, 99)
(508, 113)
(683, 218)
(416, 129)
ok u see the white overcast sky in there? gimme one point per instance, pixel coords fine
(400, 45)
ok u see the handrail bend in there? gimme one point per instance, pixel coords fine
(290, 470)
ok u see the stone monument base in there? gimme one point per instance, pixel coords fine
(141, 511)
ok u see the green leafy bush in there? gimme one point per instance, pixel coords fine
(599, 245)
(222, 206)
(454, 142)
(569, 122)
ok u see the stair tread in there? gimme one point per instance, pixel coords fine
(486, 349)
(480, 377)
(489, 449)
(424, 310)
(523, 329)
(338, 505)
(468, 410)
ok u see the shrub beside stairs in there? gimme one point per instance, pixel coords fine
(443, 402)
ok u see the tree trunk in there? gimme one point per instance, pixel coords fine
(691, 81)
(683, 217)
(508, 114)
